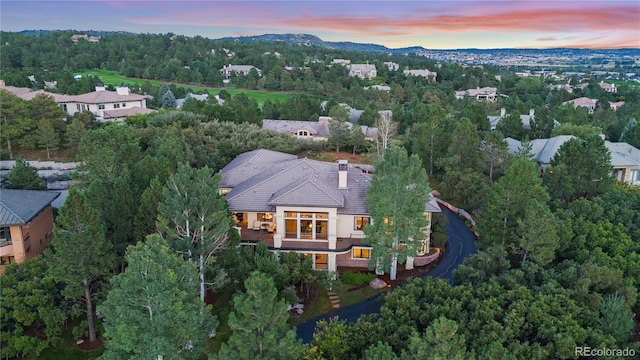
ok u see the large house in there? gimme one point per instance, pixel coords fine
(26, 223)
(227, 70)
(306, 206)
(429, 75)
(363, 71)
(625, 159)
(105, 105)
(480, 94)
(526, 119)
(590, 104)
(313, 130)
(608, 87)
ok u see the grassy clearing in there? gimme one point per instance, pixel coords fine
(115, 78)
(322, 305)
(622, 82)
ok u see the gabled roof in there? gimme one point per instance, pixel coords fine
(623, 154)
(18, 207)
(308, 192)
(250, 164)
(291, 126)
(298, 182)
(542, 150)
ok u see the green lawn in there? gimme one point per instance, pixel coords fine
(114, 78)
(622, 82)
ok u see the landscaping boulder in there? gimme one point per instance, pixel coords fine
(377, 283)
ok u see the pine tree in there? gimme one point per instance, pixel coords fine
(259, 324)
(47, 136)
(24, 176)
(82, 254)
(153, 308)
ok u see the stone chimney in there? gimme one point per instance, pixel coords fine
(324, 119)
(343, 169)
(2, 83)
(503, 112)
(122, 90)
(532, 112)
(101, 87)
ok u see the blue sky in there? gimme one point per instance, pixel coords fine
(432, 24)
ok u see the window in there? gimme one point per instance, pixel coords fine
(6, 260)
(124, 104)
(100, 106)
(360, 222)
(306, 225)
(5, 236)
(303, 133)
(224, 191)
(64, 107)
(360, 253)
(322, 261)
(116, 106)
(265, 217)
(78, 107)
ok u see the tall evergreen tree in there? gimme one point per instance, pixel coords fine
(153, 309)
(507, 202)
(259, 324)
(338, 129)
(47, 136)
(580, 168)
(396, 199)
(82, 254)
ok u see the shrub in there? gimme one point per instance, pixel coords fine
(438, 239)
(356, 278)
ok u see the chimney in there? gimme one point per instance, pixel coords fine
(122, 90)
(503, 112)
(531, 112)
(100, 87)
(342, 173)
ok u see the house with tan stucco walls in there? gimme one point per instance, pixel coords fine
(307, 206)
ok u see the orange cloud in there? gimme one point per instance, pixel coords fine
(545, 20)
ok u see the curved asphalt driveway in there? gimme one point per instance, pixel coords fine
(460, 245)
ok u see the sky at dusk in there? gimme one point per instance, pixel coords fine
(431, 24)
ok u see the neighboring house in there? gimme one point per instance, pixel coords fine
(582, 86)
(91, 39)
(526, 119)
(611, 88)
(202, 97)
(615, 105)
(340, 62)
(227, 70)
(386, 88)
(625, 159)
(480, 94)
(26, 223)
(311, 129)
(391, 65)
(590, 104)
(97, 102)
(568, 88)
(429, 75)
(354, 114)
(363, 71)
(307, 206)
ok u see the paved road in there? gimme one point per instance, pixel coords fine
(460, 245)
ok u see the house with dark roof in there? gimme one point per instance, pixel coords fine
(26, 224)
(307, 206)
(313, 130)
(625, 158)
(526, 119)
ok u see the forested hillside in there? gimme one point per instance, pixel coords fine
(559, 265)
